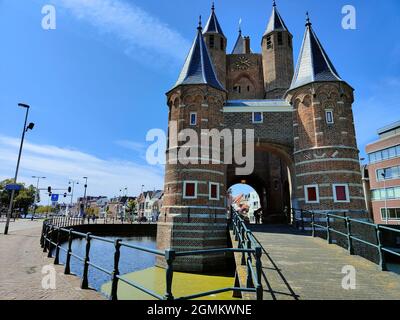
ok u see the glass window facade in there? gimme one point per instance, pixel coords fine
(385, 154)
(388, 173)
(380, 194)
(392, 213)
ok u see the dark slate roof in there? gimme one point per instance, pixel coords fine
(198, 67)
(213, 25)
(276, 22)
(240, 47)
(313, 64)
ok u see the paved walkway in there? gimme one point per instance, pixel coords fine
(21, 263)
(297, 266)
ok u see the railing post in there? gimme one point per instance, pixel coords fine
(302, 220)
(328, 227)
(382, 260)
(169, 273)
(259, 288)
(42, 236)
(349, 239)
(115, 274)
(85, 282)
(249, 282)
(57, 254)
(46, 235)
(313, 223)
(51, 238)
(242, 245)
(67, 269)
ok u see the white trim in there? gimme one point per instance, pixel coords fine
(257, 122)
(327, 111)
(306, 193)
(326, 147)
(346, 192)
(327, 160)
(327, 172)
(184, 190)
(195, 118)
(209, 190)
(258, 109)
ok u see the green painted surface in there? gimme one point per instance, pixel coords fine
(183, 284)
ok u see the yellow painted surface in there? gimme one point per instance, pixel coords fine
(183, 284)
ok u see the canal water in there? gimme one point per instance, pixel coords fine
(102, 254)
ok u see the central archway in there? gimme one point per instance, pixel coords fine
(272, 179)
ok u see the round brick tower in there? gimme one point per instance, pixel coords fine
(216, 43)
(194, 209)
(277, 56)
(325, 150)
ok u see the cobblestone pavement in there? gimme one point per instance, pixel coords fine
(21, 266)
(297, 266)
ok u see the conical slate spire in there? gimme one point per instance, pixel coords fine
(239, 47)
(213, 25)
(313, 64)
(276, 22)
(198, 68)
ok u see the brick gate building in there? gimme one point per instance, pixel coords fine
(305, 150)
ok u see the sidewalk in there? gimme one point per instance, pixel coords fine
(21, 264)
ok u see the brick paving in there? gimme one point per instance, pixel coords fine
(21, 263)
(301, 267)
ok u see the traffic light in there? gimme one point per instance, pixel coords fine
(69, 189)
(49, 189)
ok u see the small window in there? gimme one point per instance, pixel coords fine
(257, 117)
(269, 42)
(222, 44)
(341, 193)
(212, 42)
(189, 190)
(193, 118)
(280, 39)
(248, 88)
(311, 194)
(329, 116)
(214, 191)
(289, 41)
(237, 89)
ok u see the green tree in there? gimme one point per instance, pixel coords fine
(23, 198)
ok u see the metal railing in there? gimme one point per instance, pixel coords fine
(300, 217)
(67, 221)
(52, 237)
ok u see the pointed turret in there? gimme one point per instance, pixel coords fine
(276, 22)
(216, 43)
(277, 54)
(313, 64)
(242, 45)
(213, 25)
(198, 67)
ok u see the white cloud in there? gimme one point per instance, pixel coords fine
(58, 164)
(143, 34)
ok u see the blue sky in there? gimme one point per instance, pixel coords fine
(97, 83)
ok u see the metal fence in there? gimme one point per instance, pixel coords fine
(326, 222)
(56, 228)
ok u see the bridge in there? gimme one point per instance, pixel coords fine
(273, 262)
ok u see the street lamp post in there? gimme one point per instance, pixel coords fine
(84, 196)
(24, 130)
(37, 193)
(73, 182)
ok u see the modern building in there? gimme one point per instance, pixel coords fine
(305, 148)
(384, 174)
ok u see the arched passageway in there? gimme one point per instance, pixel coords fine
(272, 180)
